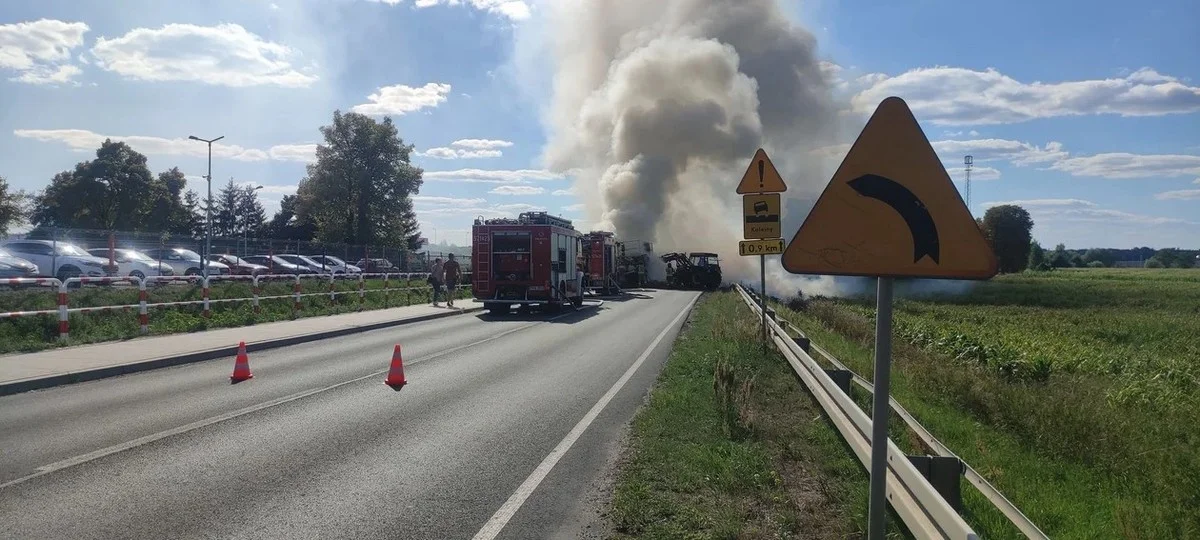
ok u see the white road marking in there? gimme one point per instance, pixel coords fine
(514, 502)
(121, 447)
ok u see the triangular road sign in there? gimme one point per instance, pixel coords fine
(761, 176)
(891, 211)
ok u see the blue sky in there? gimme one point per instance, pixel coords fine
(1087, 113)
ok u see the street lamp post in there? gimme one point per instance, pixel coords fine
(208, 210)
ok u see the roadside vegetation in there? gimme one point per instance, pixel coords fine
(1075, 392)
(730, 445)
(37, 332)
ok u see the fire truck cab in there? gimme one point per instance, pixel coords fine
(600, 255)
(528, 261)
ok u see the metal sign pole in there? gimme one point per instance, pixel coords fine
(762, 262)
(877, 509)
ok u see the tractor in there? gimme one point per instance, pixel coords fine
(695, 271)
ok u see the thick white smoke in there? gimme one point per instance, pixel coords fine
(658, 106)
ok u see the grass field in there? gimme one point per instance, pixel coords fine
(32, 333)
(1076, 392)
(729, 445)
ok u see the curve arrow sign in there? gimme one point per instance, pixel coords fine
(904, 202)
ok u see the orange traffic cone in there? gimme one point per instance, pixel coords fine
(395, 377)
(241, 368)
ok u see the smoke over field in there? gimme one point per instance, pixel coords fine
(659, 105)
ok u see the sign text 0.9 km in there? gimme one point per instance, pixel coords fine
(761, 217)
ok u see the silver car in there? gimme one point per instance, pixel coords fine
(12, 266)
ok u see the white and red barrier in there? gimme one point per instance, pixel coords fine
(63, 309)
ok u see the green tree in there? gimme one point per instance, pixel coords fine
(166, 204)
(108, 192)
(1009, 229)
(1153, 262)
(13, 210)
(1095, 264)
(286, 224)
(250, 213)
(224, 212)
(1059, 258)
(1077, 260)
(359, 190)
(1174, 258)
(191, 221)
(1106, 257)
(1037, 256)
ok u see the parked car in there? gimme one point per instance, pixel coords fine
(131, 262)
(238, 266)
(276, 265)
(187, 262)
(376, 266)
(335, 265)
(12, 266)
(304, 260)
(60, 259)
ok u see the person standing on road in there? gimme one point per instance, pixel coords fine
(452, 273)
(435, 279)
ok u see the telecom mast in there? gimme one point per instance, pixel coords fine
(968, 160)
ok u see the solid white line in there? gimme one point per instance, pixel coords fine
(514, 502)
(121, 447)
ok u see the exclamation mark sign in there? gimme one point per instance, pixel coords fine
(760, 174)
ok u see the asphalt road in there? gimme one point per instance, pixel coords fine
(507, 429)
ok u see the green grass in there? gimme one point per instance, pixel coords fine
(33, 333)
(730, 445)
(1075, 392)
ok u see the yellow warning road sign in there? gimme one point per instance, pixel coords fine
(760, 247)
(891, 211)
(760, 216)
(761, 176)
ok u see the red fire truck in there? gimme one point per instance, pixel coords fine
(528, 261)
(600, 262)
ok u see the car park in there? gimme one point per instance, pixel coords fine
(60, 260)
(335, 265)
(187, 262)
(304, 260)
(131, 262)
(276, 265)
(376, 266)
(239, 266)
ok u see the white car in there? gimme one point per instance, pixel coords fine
(60, 259)
(186, 262)
(335, 265)
(132, 262)
(305, 261)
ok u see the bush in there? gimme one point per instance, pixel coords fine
(1095, 264)
(1153, 263)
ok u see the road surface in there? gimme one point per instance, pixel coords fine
(505, 430)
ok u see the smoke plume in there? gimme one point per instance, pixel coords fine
(658, 106)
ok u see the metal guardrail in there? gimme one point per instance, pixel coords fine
(922, 509)
(989, 492)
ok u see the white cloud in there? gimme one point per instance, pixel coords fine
(573, 207)
(960, 96)
(516, 10)
(492, 176)
(446, 201)
(971, 133)
(442, 152)
(401, 99)
(294, 152)
(563, 192)
(1125, 165)
(84, 140)
(496, 210)
(977, 173)
(226, 54)
(517, 190)
(482, 144)
(1020, 153)
(1077, 210)
(1179, 195)
(40, 51)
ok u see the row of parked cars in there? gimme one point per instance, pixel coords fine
(46, 258)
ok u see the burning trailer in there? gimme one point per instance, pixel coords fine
(530, 261)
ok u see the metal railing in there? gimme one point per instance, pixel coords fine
(787, 343)
(64, 287)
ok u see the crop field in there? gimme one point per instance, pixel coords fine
(37, 332)
(1076, 392)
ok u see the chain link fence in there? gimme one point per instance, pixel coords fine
(400, 258)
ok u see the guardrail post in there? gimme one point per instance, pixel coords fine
(387, 290)
(803, 342)
(296, 296)
(944, 472)
(254, 292)
(407, 289)
(332, 297)
(143, 309)
(362, 292)
(204, 296)
(64, 324)
(841, 378)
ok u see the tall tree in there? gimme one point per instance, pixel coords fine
(287, 224)
(1037, 256)
(166, 205)
(250, 213)
(359, 190)
(1009, 228)
(1106, 257)
(108, 192)
(13, 209)
(191, 221)
(1059, 258)
(224, 212)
